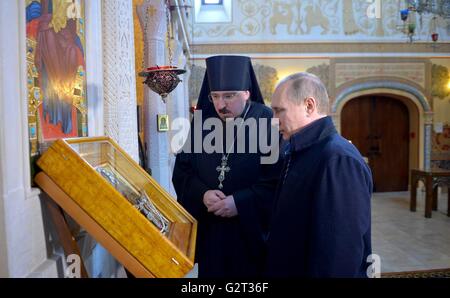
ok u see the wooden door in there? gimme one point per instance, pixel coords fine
(379, 127)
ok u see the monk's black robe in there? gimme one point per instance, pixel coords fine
(229, 247)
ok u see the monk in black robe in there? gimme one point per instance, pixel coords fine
(229, 192)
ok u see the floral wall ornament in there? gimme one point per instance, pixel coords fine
(440, 77)
(440, 145)
(267, 77)
(298, 21)
(323, 72)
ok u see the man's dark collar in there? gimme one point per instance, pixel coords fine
(312, 133)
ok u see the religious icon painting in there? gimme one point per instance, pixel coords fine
(56, 63)
(163, 122)
(56, 72)
(32, 131)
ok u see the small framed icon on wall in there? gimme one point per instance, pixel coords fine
(163, 122)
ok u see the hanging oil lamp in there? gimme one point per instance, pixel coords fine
(404, 14)
(163, 79)
(434, 37)
(434, 34)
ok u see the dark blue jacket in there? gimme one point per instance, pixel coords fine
(321, 219)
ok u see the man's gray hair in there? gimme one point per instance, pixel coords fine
(303, 85)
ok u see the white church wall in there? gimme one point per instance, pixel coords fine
(94, 67)
(22, 232)
(24, 246)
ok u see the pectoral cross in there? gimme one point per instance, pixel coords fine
(223, 169)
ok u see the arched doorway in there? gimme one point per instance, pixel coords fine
(379, 126)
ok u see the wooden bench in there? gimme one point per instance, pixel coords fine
(432, 179)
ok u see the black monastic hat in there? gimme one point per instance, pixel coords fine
(227, 73)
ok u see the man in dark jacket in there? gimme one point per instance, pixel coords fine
(321, 224)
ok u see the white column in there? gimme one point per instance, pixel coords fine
(22, 239)
(153, 12)
(181, 98)
(177, 104)
(119, 89)
(94, 67)
(428, 131)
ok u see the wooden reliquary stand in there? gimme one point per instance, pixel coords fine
(108, 194)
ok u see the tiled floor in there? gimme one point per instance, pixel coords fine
(407, 240)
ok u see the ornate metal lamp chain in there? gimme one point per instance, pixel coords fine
(144, 36)
(168, 20)
(169, 28)
(160, 79)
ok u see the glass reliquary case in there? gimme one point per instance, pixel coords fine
(120, 205)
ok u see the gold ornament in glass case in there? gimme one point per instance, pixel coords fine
(120, 205)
